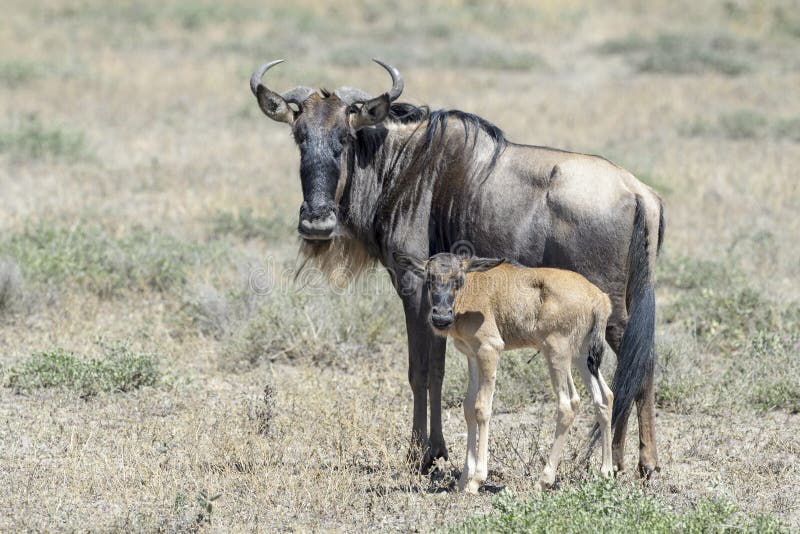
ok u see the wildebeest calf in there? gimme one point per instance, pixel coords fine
(488, 306)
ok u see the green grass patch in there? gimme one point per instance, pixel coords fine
(119, 369)
(743, 124)
(246, 225)
(91, 258)
(714, 318)
(716, 303)
(15, 73)
(305, 321)
(10, 285)
(770, 359)
(605, 506)
(788, 129)
(29, 139)
(684, 54)
(787, 21)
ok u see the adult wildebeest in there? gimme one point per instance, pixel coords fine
(379, 177)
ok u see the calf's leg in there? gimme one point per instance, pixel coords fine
(602, 398)
(465, 482)
(487, 371)
(558, 361)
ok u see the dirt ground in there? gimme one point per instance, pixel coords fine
(292, 403)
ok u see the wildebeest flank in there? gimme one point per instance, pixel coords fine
(379, 177)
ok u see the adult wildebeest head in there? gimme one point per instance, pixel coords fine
(323, 124)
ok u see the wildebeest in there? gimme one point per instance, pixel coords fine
(380, 176)
(488, 306)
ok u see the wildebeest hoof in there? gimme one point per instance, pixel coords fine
(646, 471)
(430, 458)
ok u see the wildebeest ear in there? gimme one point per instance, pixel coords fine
(477, 265)
(410, 263)
(370, 112)
(274, 106)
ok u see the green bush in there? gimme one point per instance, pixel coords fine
(742, 124)
(602, 505)
(105, 264)
(120, 369)
(769, 359)
(716, 303)
(15, 73)
(246, 225)
(788, 129)
(683, 54)
(32, 140)
(309, 323)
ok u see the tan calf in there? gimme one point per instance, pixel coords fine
(488, 306)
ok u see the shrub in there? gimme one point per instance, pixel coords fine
(15, 73)
(683, 54)
(120, 369)
(10, 285)
(31, 140)
(742, 124)
(602, 505)
(294, 321)
(716, 303)
(769, 358)
(788, 129)
(91, 258)
(246, 225)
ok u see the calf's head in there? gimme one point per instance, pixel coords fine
(323, 125)
(444, 275)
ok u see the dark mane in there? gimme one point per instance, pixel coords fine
(369, 140)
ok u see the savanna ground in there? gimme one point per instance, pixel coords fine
(161, 371)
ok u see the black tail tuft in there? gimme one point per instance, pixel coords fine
(636, 359)
(596, 347)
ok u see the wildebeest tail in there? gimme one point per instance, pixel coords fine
(636, 358)
(596, 342)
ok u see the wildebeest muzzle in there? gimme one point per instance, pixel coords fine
(317, 222)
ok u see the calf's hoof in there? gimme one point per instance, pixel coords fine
(470, 486)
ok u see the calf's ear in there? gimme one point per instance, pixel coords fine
(410, 263)
(477, 265)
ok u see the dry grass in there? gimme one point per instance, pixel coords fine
(145, 198)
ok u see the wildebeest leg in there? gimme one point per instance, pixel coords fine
(418, 379)
(436, 359)
(614, 331)
(426, 353)
(645, 409)
(645, 404)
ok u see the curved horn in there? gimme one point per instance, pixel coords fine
(255, 79)
(351, 95)
(397, 80)
(296, 95)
